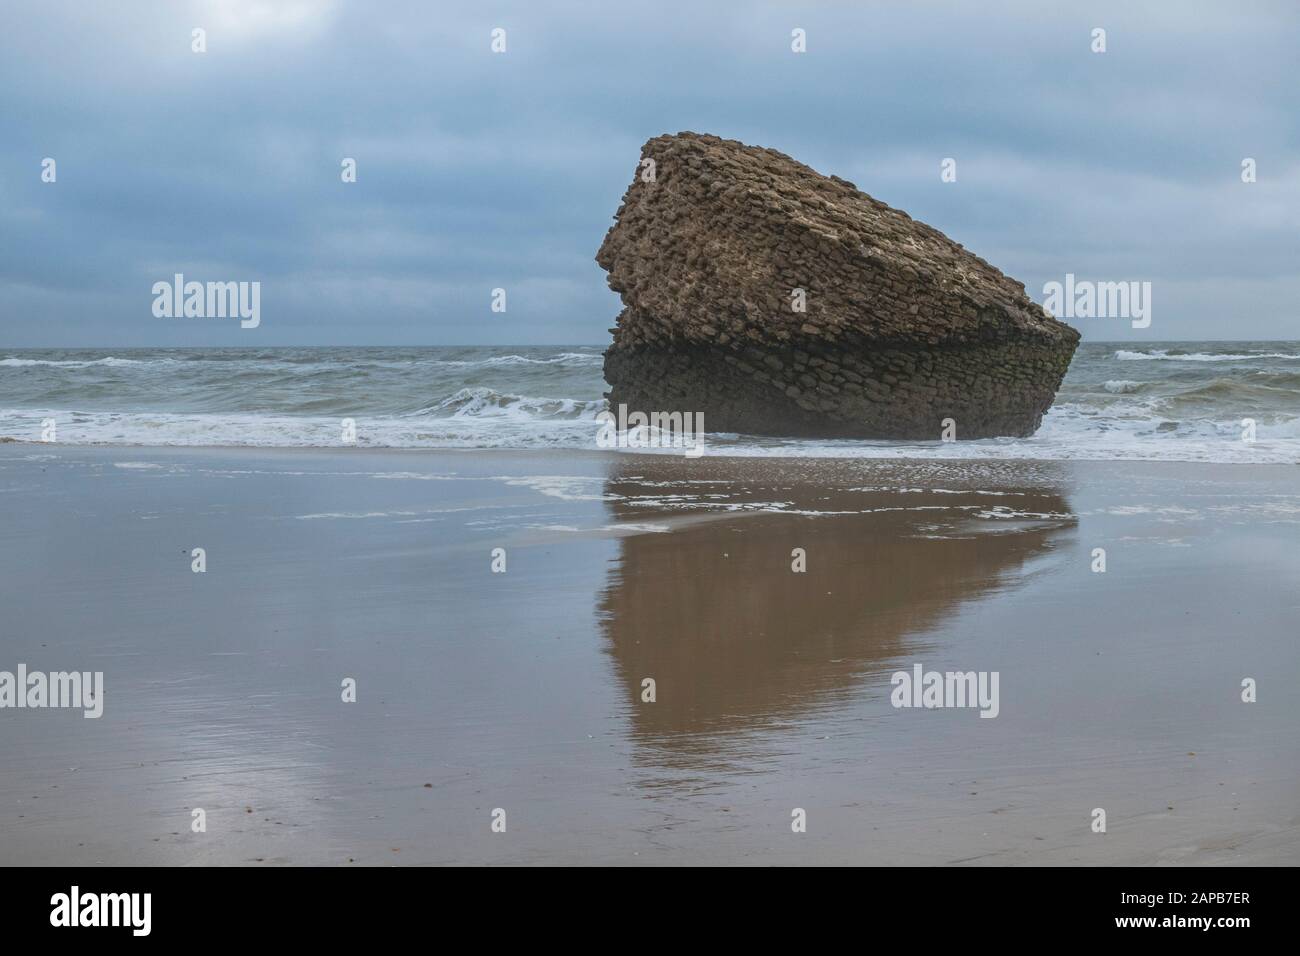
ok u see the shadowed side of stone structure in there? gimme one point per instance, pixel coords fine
(876, 392)
(778, 301)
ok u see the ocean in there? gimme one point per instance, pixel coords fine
(1181, 401)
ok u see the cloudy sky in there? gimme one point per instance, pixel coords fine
(479, 170)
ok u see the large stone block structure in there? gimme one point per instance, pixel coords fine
(718, 245)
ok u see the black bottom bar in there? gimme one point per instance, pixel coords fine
(335, 906)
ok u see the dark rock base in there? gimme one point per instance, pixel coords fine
(871, 391)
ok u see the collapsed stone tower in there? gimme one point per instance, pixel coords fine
(778, 301)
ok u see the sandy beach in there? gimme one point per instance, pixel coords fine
(522, 690)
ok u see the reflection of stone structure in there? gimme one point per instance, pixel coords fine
(901, 326)
(734, 638)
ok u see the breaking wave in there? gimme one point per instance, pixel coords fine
(1178, 402)
(1173, 355)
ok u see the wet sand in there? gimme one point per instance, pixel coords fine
(522, 690)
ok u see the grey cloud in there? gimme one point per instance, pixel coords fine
(478, 171)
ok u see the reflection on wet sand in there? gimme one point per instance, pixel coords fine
(737, 642)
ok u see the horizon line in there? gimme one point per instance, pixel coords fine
(524, 345)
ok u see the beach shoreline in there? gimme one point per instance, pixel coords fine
(523, 690)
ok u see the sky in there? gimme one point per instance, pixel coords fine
(479, 170)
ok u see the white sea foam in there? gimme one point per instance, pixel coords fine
(483, 402)
(1151, 407)
(11, 362)
(1165, 355)
(578, 359)
(1121, 386)
(1068, 432)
